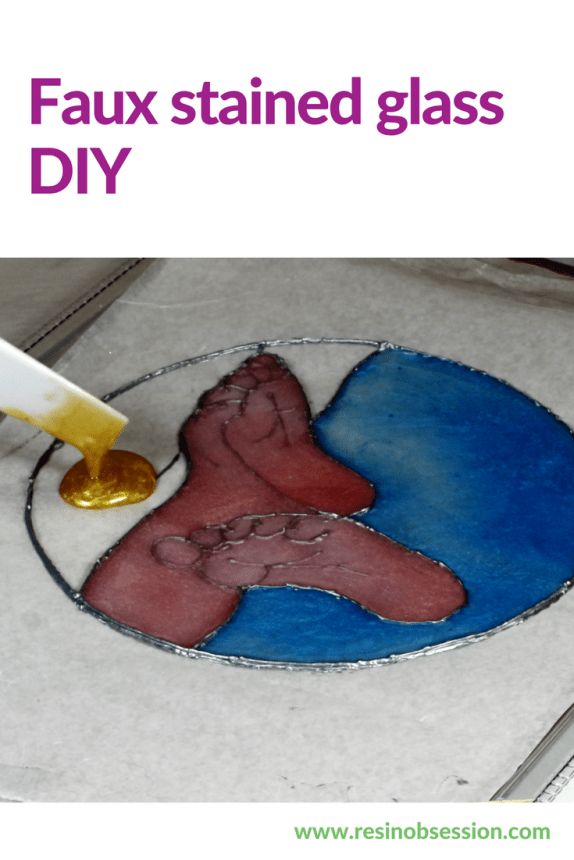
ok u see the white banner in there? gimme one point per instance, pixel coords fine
(297, 129)
(148, 831)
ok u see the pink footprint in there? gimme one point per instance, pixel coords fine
(248, 514)
(317, 551)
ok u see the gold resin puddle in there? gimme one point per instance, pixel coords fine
(123, 478)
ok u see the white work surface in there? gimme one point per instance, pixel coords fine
(92, 715)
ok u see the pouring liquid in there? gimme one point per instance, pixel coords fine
(105, 478)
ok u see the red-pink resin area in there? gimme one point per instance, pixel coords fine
(262, 505)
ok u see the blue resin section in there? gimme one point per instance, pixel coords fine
(467, 470)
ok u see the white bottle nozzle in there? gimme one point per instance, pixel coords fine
(40, 396)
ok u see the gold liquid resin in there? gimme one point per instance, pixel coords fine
(104, 478)
(124, 478)
(84, 422)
